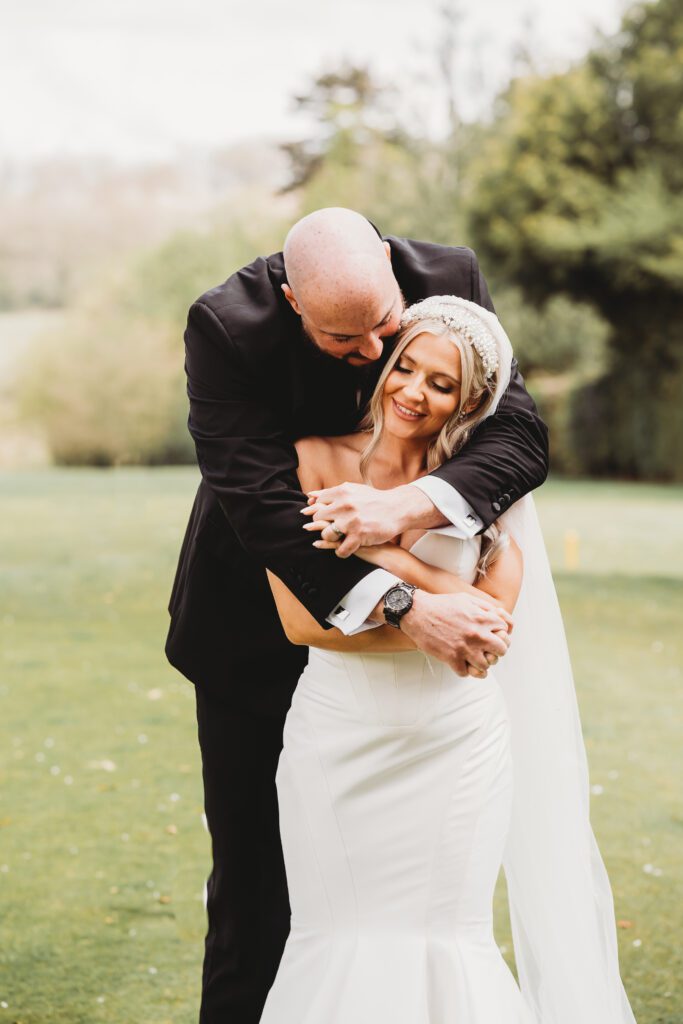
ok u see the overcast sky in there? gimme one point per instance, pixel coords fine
(143, 79)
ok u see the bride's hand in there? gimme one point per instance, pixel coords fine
(369, 552)
(364, 515)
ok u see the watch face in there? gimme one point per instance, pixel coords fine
(397, 600)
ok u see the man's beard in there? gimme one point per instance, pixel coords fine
(387, 346)
(362, 375)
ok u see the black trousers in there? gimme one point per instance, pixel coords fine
(248, 903)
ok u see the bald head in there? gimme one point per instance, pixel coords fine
(339, 276)
(335, 260)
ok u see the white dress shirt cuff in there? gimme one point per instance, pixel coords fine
(351, 614)
(452, 504)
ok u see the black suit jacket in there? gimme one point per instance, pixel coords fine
(255, 385)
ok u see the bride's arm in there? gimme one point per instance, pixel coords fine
(301, 628)
(501, 583)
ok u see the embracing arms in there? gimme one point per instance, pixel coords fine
(501, 585)
(246, 456)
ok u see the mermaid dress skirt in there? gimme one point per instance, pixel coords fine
(395, 789)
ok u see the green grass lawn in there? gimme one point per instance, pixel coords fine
(102, 850)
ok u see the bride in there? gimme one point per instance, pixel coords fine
(402, 786)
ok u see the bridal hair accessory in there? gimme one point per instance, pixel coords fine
(462, 316)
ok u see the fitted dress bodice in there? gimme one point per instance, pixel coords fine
(405, 687)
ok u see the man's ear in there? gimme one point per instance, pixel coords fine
(289, 295)
(387, 249)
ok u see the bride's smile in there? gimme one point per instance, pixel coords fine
(423, 389)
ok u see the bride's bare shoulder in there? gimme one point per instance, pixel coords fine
(326, 461)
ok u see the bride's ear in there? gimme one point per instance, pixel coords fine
(471, 406)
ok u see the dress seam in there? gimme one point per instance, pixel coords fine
(437, 846)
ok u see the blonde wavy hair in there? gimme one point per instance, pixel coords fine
(476, 396)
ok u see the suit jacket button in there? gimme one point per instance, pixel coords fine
(495, 506)
(506, 498)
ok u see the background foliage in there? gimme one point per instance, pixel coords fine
(579, 192)
(571, 194)
(109, 387)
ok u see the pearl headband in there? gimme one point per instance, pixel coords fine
(458, 315)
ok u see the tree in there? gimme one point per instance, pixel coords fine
(578, 191)
(350, 111)
(360, 154)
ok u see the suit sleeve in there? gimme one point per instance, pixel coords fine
(507, 456)
(248, 461)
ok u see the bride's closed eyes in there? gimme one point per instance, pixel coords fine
(444, 389)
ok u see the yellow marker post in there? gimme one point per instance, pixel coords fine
(571, 550)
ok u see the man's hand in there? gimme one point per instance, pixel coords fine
(368, 516)
(467, 632)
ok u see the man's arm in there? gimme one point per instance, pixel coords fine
(248, 461)
(506, 457)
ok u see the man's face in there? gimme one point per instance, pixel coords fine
(357, 336)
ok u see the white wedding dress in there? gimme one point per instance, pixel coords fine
(395, 793)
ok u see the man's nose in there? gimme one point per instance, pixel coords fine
(371, 347)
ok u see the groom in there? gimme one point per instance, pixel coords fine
(289, 346)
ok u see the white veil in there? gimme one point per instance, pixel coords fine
(561, 906)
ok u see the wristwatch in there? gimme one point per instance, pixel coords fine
(397, 601)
